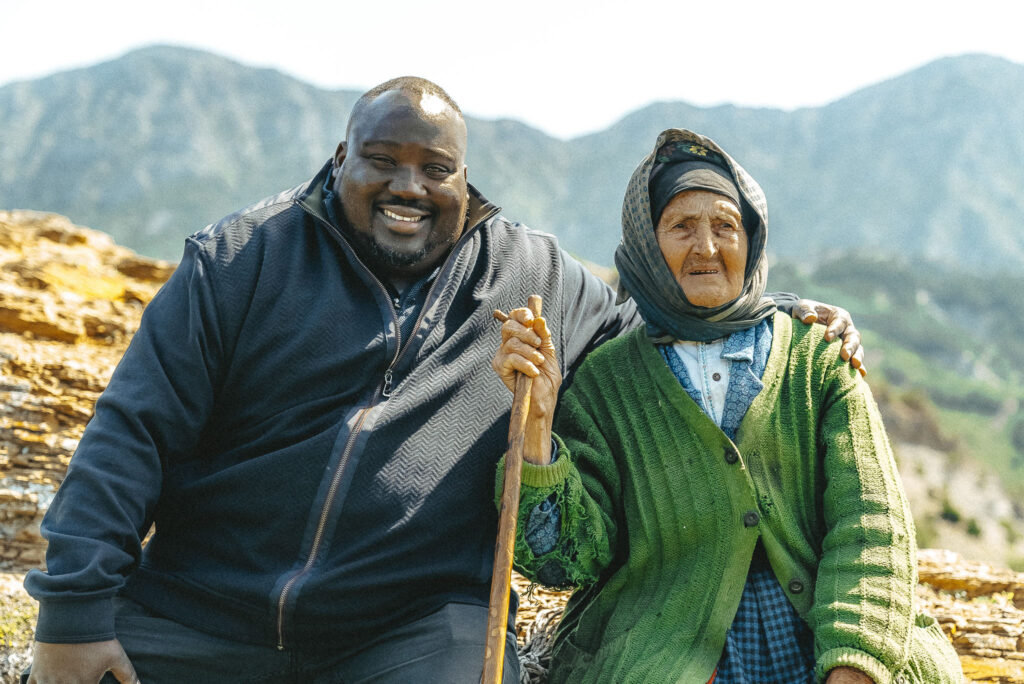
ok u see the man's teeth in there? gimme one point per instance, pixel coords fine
(396, 217)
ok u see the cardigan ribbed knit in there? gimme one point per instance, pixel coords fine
(661, 512)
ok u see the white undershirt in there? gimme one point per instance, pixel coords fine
(708, 372)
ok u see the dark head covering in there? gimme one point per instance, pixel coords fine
(643, 273)
(671, 178)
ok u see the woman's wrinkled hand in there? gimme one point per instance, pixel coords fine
(837, 321)
(847, 675)
(527, 348)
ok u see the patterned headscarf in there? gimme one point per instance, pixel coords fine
(643, 273)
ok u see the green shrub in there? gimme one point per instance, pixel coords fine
(949, 514)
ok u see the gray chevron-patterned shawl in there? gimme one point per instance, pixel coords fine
(643, 273)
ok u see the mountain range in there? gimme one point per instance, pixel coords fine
(154, 145)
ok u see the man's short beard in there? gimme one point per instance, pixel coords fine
(391, 260)
(379, 257)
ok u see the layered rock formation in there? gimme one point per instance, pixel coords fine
(70, 300)
(981, 608)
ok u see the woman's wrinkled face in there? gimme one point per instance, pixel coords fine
(702, 239)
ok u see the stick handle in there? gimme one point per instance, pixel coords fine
(501, 576)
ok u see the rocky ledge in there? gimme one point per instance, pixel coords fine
(70, 300)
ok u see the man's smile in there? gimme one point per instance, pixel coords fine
(403, 219)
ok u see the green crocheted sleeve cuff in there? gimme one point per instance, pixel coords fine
(547, 476)
(851, 657)
(539, 477)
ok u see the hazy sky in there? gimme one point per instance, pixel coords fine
(564, 66)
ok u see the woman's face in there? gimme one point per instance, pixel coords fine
(702, 239)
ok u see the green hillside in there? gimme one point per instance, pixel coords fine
(947, 341)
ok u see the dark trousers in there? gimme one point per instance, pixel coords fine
(446, 647)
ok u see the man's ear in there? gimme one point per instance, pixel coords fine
(340, 153)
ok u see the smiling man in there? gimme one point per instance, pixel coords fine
(308, 417)
(403, 177)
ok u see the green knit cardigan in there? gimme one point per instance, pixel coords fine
(660, 514)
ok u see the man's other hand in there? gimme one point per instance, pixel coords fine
(80, 663)
(837, 321)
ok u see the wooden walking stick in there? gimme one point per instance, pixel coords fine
(501, 576)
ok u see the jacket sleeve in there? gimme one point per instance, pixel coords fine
(590, 314)
(864, 592)
(584, 486)
(785, 301)
(152, 411)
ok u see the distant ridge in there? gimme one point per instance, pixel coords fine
(152, 146)
(156, 144)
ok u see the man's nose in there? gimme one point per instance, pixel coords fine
(408, 182)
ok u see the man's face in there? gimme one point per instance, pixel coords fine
(702, 239)
(401, 179)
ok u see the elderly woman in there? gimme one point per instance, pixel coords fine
(718, 486)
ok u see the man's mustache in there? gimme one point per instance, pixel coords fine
(411, 204)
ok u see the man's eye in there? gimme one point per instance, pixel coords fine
(438, 171)
(381, 160)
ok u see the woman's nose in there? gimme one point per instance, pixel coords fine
(704, 241)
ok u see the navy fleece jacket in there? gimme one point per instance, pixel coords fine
(295, 497)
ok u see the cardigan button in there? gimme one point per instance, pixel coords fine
(751, 518)
(731, 456)
(796, 586)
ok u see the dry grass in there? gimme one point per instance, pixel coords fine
(17, 620)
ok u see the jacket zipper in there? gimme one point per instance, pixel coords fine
(383, 390)
(318, 536)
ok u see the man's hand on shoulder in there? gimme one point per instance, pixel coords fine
(837, 321)
(84, 663)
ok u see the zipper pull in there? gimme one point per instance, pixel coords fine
(387, 383)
